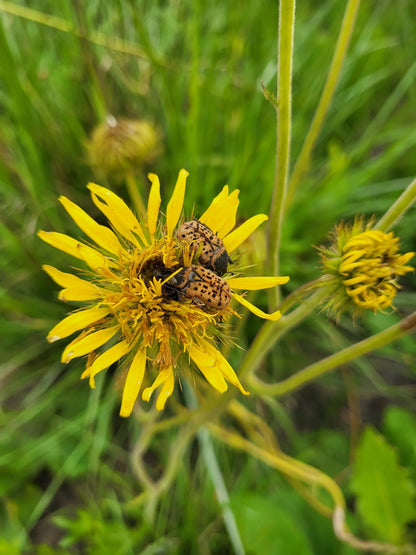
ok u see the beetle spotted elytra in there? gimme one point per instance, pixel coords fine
(197, 282)
(213, 255)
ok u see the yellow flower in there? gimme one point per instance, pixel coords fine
(138, 306)
(364, 265)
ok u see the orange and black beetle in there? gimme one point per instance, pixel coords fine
(197, 282)
(213, 255)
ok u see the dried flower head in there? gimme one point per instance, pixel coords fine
(120, 146)
(363, 265)
(150, 295)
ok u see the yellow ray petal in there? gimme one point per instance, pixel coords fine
(224, 366)
(63, 278)
(88, 343)
(239, 235)
(162, 376)
(76, 321)
(207, 365)
(92, 257)
(226, 215)
(101, 234)
(274, 316)
(118, 213)
(133, 383)
(166, 391)
(79, 294)
(153, 204)
(77, 289)
(175, 205)
(113, 354)
(404, 258)
(208, 217)
(254, 283)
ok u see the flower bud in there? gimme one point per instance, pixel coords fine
(363, 265)
(121, 146)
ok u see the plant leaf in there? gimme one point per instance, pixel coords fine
(385, 496)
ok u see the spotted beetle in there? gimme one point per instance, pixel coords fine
(197, 282)
(213, 255)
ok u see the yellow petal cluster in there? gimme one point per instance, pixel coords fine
(365, 266)
(129, 315)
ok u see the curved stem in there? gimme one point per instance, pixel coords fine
(277, 459)
(272, 331)
(330, 363)
(283, 112)
(324, 104)
(304, 473)
(396, 211)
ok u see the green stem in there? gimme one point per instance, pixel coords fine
(216, 476)
(396, 211)
(331, 82)
(282, 462)
(284, 95)
(327, 364)
(297, 296)
(272, 331)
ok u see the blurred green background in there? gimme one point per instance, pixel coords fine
(194, 69)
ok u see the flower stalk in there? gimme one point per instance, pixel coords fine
(344, 37)
(284, 123)
(322, 367)
(270, 333)
(396, 211)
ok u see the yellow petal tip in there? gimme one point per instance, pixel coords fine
(274, 316)
(52, 338)
(68, 357)
(147, 394)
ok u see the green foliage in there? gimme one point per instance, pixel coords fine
(385, 495)
(400, 428)
(277, 520)
(268, 528)
(99, 533)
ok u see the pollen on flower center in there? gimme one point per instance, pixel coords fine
(148, 309)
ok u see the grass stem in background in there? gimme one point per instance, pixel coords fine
(344, 37)
(134, 193)
(284, 122)
(214, 471)
(60, 24)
